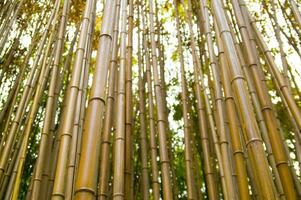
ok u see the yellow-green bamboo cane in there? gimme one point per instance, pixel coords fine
(219, 109)
(119, 149)
(253, 141)
(128, 181)
(191, 192)
(164, 159)
(153, 143)
(86, 183)
(142, 118)
(105, 172)
(27, 90)
(67, 123)
(50, 103)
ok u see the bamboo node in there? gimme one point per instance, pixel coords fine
(105, 142)
(278, 163)
(58, 194)
(266, 108)
(229, 98)
(237, 77)
(98, 98)
(106, 34)
(66, 134)
(164, 162)
(102, 194)
(237, 152)
(118, 195)
(253, 140)
(84, 189)
(224, 31)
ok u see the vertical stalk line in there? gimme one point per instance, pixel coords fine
(196, 159)
(105, 171)
(238, 153)
(142, 118)
(260, 120)
(48, 175)
(4, 35)
(266, 108)
(27, 99)
(276, 28)
(23, 67)
(219, 107)
(48, 171)
(196, 166)
(259, 117)
(8, 105)
(28, 89)
(152, 128)
(296, 12)
(164, 94)
(80, 111)
(296, 127)
(165, 163)
(258, 111)
(5, 67)
(7, 10)
(23, 140)
(18, 83)
(65, 133)
(129, 108)
(86, 183)
(291, 25)
(9, 180)
(36, 64)
(88, 62)
(252, 134)
(297, 89)
(191, 192)
(119, 149)
(50, 104)
(41, 84)
(210, 110)
(203, 107)
(283, 87)
(264, 129)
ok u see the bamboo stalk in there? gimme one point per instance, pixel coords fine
(266, 108)
(128, 181)
(161, 58)
(34, 109)
(191, 192)
(165, 166)
(50, 104)
(284, 89)
(296, 12)
(220, 113)
(66, 130)
(48, 168)
(104, 173)
(79, 113)
(253, 141)
(119, 149)
(142, 119)
(153, 143)
(86, 182)
(24, 99)
(238, 153)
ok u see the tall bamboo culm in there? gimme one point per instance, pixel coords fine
(132, 99)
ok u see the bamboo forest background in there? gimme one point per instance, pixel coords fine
(150, 99)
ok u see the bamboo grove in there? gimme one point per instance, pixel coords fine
(150, 99)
